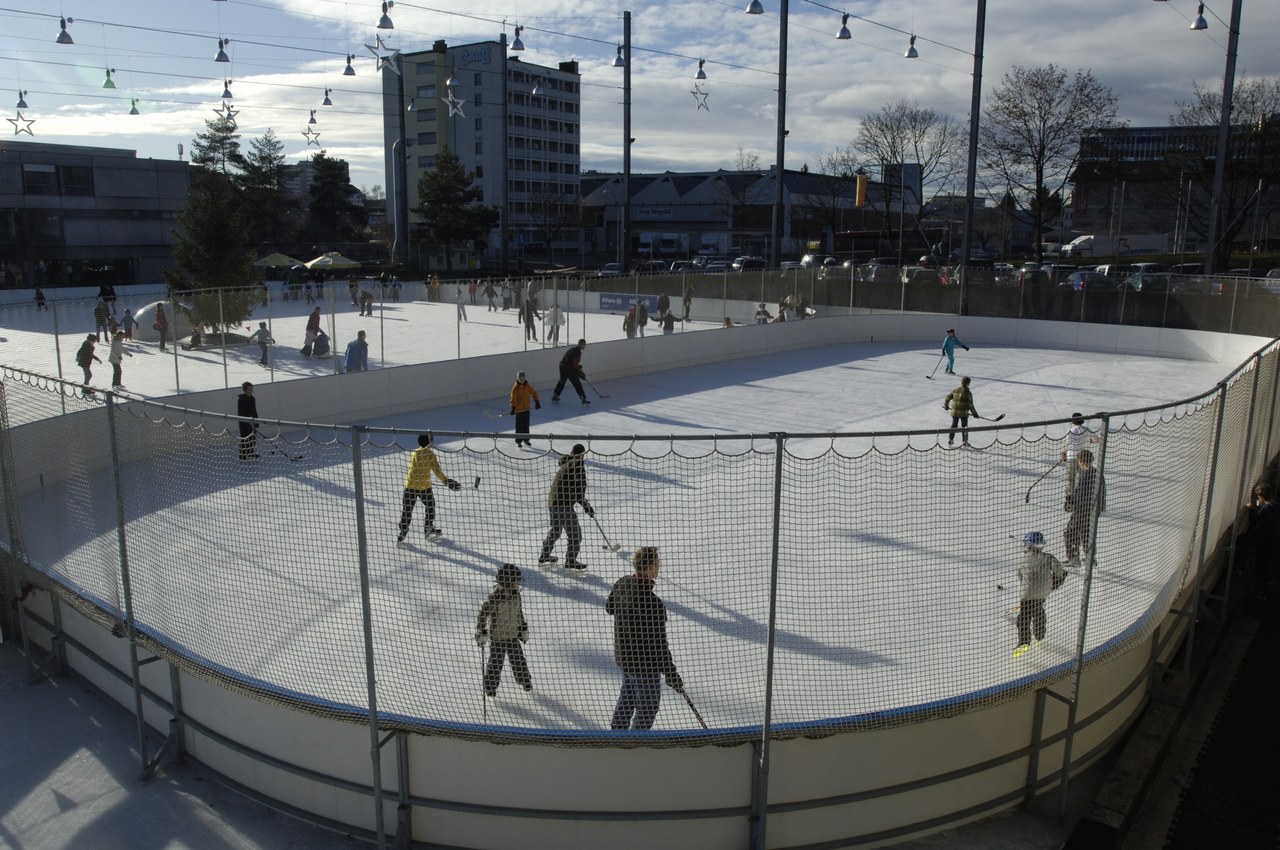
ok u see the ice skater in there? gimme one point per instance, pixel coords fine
(522, 392)
(1039, 574)
(462, 307)
(960, 403)
(357, 357)
(417, 485)
(763, 316)
(247, 410)
(501, 625)
(127, 321)
(161, 325)
(116, 359)
(571, 371)
(568, 488)
(640, 647)
(529, 312)
(949, 343)
(1081, 502)
(85, 357)
(1078, 437)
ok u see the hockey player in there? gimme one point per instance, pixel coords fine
(417, 485)
(949, 344)
(571, 371)
(1081, 503)
(763, 316)
(247, 409)
(1078, 437)
(640, 647)
(1039, 574)
(960, 403)
(522, 392)
(568, 488)
(502, 625)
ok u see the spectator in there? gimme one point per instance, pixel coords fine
(357, 354)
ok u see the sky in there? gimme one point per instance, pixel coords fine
(285, 53)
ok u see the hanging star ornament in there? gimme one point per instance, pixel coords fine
(228, 114)
(313, 136)
(700, 96)
(21, 125)
(385, 55)
(455, 105)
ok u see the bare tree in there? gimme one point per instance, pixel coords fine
(825, 197)
(746, 160)
(1029, 138)
(903, 132)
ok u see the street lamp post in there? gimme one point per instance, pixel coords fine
(779, 195)
(1224, 134)
(624, 240)
(617, 247)
(975, 109)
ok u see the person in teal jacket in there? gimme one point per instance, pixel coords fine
(949, 349)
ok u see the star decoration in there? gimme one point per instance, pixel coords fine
(21, 125)
(313, 136)
(385, 55)
(228, 114)
(455, 105)
(700, 96)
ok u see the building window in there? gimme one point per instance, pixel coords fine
(479, 148)
(429, 90)
(479, 171)
(426, 138)
(76, 179)
(426, 162)
(479, 124)
(477, 80)
(479, 99)
(39, 179)
(427, 67)
(426, 114)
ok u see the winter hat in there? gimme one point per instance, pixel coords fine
(1033, 539)
(424, 440)
(579, 449)
(520, 376)
(509, 574)
(1077, 419)
(951, 330)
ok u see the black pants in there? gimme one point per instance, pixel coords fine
(568, 373)
(407, 502)
(563, 518)
(963, 421)
(530, 329)
(1031, 619)
(117, 375)
(522, 425)
(499, 651)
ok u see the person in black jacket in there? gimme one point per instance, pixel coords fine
(568, 488)
(571, 371)
(247, 407)
(640, 646)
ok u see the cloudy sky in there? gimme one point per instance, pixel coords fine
(285, 53)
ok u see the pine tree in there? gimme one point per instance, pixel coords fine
(270, 214)
(449, 204)
(334, 212)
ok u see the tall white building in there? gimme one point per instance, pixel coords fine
(524, 148)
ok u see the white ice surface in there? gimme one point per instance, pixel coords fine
(890, 555)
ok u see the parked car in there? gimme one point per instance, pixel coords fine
(1005, 274)
(1083, 280)
(1032, 277)
(682, 266)
(808, 261)
(610, 270)
(1186, 268)
(1149, 267)
(1116, 270)
(791, 265)
(744, 264)
(717, 267)
(1159, 282)
(650, 266)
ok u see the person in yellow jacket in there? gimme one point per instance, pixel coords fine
(417, 485)
(522, 392)
(960, 402)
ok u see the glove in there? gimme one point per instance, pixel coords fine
(966, 348)
(513, 411)
(674, 681)
(453, 485)
(944, 352)
(524, 635)
(482, 638)
(537, 405)
(591, 512)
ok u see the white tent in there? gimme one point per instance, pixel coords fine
(333, 260)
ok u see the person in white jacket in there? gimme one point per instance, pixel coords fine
(1039, 574)
(116, 359)
(262, 337)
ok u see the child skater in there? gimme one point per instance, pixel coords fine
(501, 624)
(1039, 575)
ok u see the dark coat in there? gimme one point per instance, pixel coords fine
(639, 627)
(569, 487)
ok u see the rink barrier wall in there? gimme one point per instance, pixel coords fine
(911, 779)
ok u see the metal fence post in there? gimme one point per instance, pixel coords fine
(222, 323)
(760, 781)
(1246, 483)
(14, 579)
(366, 613)
(1090, 554)
(57, 355)
(125, 581)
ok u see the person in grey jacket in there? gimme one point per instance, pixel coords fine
(640, 647)
(568, 488)
(502, 625)
(1039, 574)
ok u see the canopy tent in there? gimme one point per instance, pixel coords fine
(333, 260)
(276, 261)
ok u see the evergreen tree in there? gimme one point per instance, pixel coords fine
(334, 212)
(449, 204)
(270, 214)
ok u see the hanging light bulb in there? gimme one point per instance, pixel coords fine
(312, 119)
(349, 71)
(222, 53)
(22, 100)
(327, 101)
(64, 37)
(412, 106)
(1199, 23)
(452, 82)
(109, 83)
(617, 60)
(755, 8)
(516, 43)
(384, 23)
(911, 50)
(701, 75)
(226, 90)
(537, 89)
(133, 109)
(844, 34)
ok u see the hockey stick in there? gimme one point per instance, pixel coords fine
(274, 449)
(612, 547)
(476, 484)
(1038, 480)
(693, 708)
(593, 388)
(985, 419)
(935, 369)
(495, 415)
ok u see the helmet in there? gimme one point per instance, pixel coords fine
(508, 574)
(1033, 538)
